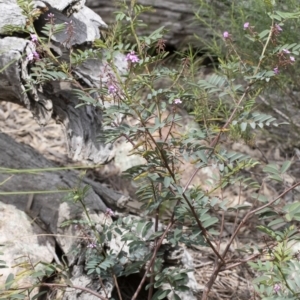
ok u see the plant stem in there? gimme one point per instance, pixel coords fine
(171, 223)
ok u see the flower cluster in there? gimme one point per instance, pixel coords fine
(292, 58)
(33, 56)
(277, 288)
(34, 38)
(112, 89)
(250, 29)
(132, 57)
(177, 101)
(69, 28)
(51, 19)
(284, 59)
(277, 28)
(92, 246)
(226, 35)
(246, 25)
(109, 212)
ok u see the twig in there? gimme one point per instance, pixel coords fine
(103, 286)
(151, 288)
(240, 262)
(204, 231)
(203, 265)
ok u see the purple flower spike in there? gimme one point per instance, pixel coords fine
(276, 71)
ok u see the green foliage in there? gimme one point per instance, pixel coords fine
(280, 269)
(13, 288)
(176, 279)
(230, 16)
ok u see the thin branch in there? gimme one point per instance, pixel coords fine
(239, 262)
(151, 288)
(103, 286)
(84, 289)
(117, 287)
(204, 231)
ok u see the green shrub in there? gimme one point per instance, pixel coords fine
(253, 57)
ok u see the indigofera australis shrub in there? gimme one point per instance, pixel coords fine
(144, 113)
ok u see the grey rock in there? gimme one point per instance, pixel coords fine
(54, 99)
(22, 240)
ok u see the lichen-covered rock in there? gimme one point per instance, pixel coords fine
(54, 98)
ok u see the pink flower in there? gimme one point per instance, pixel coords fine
(286, 51)
(30, 57)
(277, 288)
(225, 35)
(36, 55)
(276, 71)
(112, 89)
(177, 101)
(33, 56)
(246, 25)
(109, 212)
(292, 59)
(34, 37)
(132, 57)
(92, 245)
(50, 18)
(278, 28)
